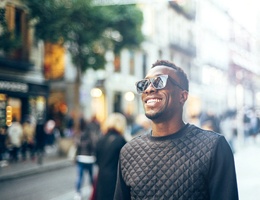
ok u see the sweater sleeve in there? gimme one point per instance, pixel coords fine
(222, 174)
(122, 191)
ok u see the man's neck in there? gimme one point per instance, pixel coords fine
(164, 129)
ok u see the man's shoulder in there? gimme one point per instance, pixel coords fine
(136, 141)
(202, 134)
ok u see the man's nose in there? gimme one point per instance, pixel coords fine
(150, 88)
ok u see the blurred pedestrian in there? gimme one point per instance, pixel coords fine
(40, 138)
(15, 134)
(69, 125)
(107, 155)
(246, 122)
(94, 126)
(82, 123)
(176, 160)
(209, 121)
(49, 129)
(227, 126)
(3, 147)
(28, 143)
(253, 125)
(142, 125)
(85, 159)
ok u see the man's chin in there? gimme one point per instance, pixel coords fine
(152, 116)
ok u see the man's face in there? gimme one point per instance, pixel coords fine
(162, 104)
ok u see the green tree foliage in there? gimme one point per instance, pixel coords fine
(88, 30)
(127, 20)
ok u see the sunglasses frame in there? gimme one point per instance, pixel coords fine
(151, 80)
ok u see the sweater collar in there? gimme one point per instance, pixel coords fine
(177, 134)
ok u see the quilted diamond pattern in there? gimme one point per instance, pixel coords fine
(170, 167)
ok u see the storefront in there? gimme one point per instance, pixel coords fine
(22, 99)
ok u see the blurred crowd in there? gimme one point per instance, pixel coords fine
(99, 145)
(231, 123)
(25, 140)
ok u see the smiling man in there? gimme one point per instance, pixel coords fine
(176, 160)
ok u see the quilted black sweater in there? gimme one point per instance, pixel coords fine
(192, 164)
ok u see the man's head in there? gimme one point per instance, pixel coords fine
(164, 91)
(184, 82)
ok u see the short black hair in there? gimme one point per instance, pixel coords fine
(179, 71)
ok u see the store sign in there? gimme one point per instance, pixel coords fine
(14, 86)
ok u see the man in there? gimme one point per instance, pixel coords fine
(176, 160)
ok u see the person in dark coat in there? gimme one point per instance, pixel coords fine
(107, 155)
(40, 137)
(3, 146)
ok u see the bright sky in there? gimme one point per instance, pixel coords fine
(245, 11)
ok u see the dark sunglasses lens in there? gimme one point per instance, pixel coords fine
(142, 85)
(158, 83)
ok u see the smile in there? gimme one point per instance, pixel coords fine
(153, 100)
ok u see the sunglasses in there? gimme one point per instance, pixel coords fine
(158, 82)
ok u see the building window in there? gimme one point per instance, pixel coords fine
(16, 19)
(117, 63)
(117, 102)
(171, 55)
(132, 63)
(160, 53)
(144, 65)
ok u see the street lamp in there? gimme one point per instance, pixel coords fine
(96, 92)
(129, 96)
(98, 103)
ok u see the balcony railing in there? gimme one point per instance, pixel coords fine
(187, 10)
(15, 64)
(188, 50)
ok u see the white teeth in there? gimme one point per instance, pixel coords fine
(153, 100)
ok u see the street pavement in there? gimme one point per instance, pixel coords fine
(247, 161)
(51, 161)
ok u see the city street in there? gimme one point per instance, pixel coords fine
(59, 184)
(53, 185)
(67, 66)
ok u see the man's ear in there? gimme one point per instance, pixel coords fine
(183, 96)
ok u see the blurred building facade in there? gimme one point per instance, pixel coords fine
(23, 89)
(218, 51)
(219, 54)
